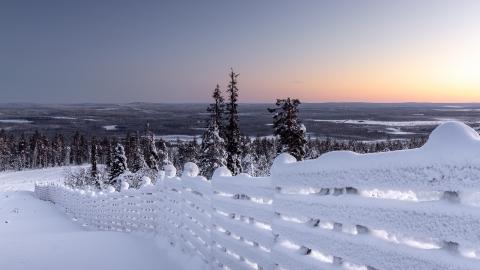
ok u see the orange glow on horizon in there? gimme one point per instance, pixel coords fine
(442, 75)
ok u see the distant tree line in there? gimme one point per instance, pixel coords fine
(139, 155)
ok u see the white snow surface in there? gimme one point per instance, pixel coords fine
(397, 131)
(448, 161)
(391, 210)
(384, 123)
(110, 127)
(34, 234)
(397, 214)
(64, 117)
(15, 121)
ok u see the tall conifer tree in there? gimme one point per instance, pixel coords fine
(212, 152)
(232, 131)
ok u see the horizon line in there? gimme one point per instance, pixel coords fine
(248, 102)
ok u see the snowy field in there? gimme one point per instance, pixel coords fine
(36, 235)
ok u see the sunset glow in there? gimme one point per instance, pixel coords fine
(375, 51)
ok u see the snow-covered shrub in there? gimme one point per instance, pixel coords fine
(82, 178)
(135, 180)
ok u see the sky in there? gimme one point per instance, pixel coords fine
(119, 51)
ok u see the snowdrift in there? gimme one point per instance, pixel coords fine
(412, 209)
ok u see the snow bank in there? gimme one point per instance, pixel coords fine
(448, 161)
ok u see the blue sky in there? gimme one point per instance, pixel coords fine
(177, 51)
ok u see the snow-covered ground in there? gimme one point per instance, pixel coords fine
(385, 123)
(15, 121)
(110, 127)
(25, 180)
(34, 234)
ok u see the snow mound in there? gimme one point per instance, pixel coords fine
(146, 181)
(170, 171)
(190, 169)
(452, 135)
(124, 186)
(221, 172)
(284, 158)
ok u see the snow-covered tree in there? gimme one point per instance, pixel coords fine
(288, 127)
(162, 152)
(93, 158)
(212, 152)
(232, 131)
(187, 152)
(119, 163)
(247, 156)
(150, 149)
(138, 160)
(217, 110)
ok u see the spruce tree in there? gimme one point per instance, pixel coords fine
(150, 152)
(288, 127)
(119, 163)
(232, 131)
(93, 159)
(187, 152)
(138, 162)
(247, 156)
(76, 149)
(109, 155)
(212, 152)
(162, 153)
(217, 110)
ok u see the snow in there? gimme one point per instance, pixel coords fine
(190, 169)
(384, 123)
(25, 180)
(408, 209)
(453, 145)
(64, 118)
(170, 170)
(397, 131)
(394, 210)
(108, 109)
(110, 127)
(37, 235)
(174, 138)
(15, 121)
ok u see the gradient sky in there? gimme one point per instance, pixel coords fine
(177, 51)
